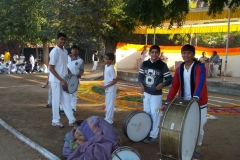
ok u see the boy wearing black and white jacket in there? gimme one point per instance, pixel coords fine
(150, 79)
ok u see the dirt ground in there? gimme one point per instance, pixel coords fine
(22, 106)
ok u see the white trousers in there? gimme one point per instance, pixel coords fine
(63, 98)
(215, 70)
(74, 98)
(110, 105)
(49, 95)
(152, 105)
(202, 123)
(95, 63)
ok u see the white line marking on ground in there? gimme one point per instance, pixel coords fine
(29, 142)
(224, 98)
(16, 86)
(214, 104)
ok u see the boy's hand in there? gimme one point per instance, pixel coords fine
(160, 86)
(164, 106)
(103, 87)
(142, 88)
(63, 83)
(195, 99)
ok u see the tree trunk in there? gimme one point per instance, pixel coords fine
(45, 51)
(110, 45)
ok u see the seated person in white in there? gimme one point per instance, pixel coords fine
(21, 69)
(13, 67)
(214, 64)
(6, 69)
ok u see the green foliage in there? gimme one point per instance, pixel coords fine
(98, 90)
(218, 40)
(132, 98)
(180, 39)
(154, 13)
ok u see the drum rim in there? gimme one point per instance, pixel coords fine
(182, 126)
(126, 147)
(128, 118)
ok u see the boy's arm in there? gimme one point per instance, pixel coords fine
(174, 88)
(81, 70)
(200, 75)
(114, 81)
(141, 77)
(168, 78)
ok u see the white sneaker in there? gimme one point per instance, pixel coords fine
(72, 124)
(58, 124)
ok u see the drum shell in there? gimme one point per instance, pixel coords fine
(126, 122)
(170, 141)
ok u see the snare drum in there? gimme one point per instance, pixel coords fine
(72, 83)
(179, 130)
(125, 152)
(137, 126)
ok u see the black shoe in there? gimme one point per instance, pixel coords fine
(61, 112)
(149, 140)
(48, 106)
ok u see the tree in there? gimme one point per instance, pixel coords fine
(19, 21)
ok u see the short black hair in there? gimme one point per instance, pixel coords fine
(155, 47)
(110, 56)
(188, 47)
(60, 34)
(74, 47)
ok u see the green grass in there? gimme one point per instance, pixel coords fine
(133, 98)
(98, 90)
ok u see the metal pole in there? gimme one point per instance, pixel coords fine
(154, 36)
(146, 38)
(225, 71)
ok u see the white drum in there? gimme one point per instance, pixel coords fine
(72, 83)
(125, 152)
(179, 130)
(137, 126)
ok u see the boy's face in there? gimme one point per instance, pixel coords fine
(74, 51)
(61, 41)
(107, 60)
(187, 56)
(154, 54)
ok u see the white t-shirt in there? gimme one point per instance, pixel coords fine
(187, 83)
(21, 68)
(15, 58)
(14, 66)
(109, 75)
(21, 59)
(59, 58)
(75, 65)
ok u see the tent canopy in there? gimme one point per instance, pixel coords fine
(196, 22)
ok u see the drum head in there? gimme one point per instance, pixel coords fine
(137, 125)
(72, 84)
(125, 153)
(190, 131)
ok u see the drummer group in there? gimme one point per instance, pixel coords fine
(189, 82)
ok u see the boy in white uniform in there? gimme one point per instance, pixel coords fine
(32, 61)
(76, 66)
(58, 70)
(21, 59)
(15, 58)
(13, 67)
(21, 69)
(6, 69)
(110, 81)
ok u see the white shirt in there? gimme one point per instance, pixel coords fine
(187, 83)
(14, 66)
(32, 60)
(58, 58)
(21, 59)
(21, 68)
(15, 58)
(75, 65)
(109, 75)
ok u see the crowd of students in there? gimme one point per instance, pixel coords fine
(18, 65)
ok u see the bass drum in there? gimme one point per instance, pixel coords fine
(137, 126)
(179, 130)
(72, 83)
(125, 152)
